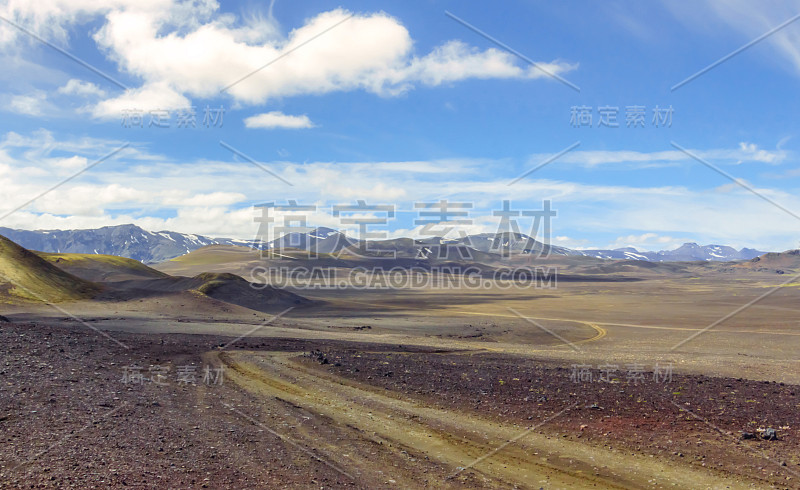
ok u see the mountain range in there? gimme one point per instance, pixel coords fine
(128, 241)
(148, 247)
(686, 252)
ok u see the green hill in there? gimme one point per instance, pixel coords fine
(101, 268)
(24, 276)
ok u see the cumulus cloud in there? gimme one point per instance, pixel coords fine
(363, 51)
(149, 97)
(29, 105)
(184, 49)
(81, 88)
(456, 60)
(278, 120)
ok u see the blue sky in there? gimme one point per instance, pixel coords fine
(398, 104)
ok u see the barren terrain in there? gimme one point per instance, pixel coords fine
(642, 380)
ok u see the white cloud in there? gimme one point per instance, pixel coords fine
(149, 97)
(191, 49)
(29, 105)
(212, 199)
(746, 152)
(81, 88)
(752, 152)
(41, 143)
(52, 19)
(278, 120)
(569, 242)
(72, 163)
(647, 241)
(215, 197)
(455, 61)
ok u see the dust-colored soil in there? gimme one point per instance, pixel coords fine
(476, 449)
(281, 419)
(430, 364)
(69, 421)
(683, 418)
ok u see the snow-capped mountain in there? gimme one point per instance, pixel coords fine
(510, 242)
(124, 240)
(151, 247)
(320, 240)
(686, 252)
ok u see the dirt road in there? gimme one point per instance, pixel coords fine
(394, 441)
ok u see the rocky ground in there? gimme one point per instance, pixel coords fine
(69, 420)
(723, 425)
(78, 410)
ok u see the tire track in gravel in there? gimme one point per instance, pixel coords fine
(393, 440)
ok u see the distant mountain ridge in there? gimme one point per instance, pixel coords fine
(686, 252)
(128, 241)
(148, 247)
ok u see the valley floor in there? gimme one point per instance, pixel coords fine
(310, 413)
(646, 384)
